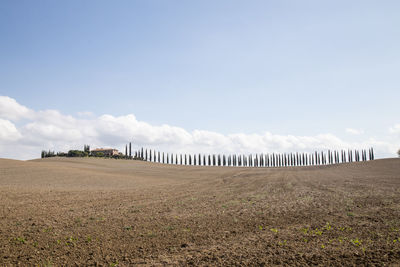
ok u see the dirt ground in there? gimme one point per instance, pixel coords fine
(108, 212)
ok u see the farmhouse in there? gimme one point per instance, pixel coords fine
(105, 151)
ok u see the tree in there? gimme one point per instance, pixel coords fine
(398, 152)
(75, 153)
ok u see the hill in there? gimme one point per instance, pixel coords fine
(103, 211)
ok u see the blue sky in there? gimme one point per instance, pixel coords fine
(286, 67)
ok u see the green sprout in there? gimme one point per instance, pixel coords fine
(21, 240)
(356, 242)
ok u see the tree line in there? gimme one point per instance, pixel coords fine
(258, 160)
(84, 153)
(235, 160)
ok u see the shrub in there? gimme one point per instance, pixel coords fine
(76, 153)
(98, 154)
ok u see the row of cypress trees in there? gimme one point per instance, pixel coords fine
(257, 160)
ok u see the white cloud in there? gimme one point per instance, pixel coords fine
(395, 129)
(49, 129)
(11, 110)
(354, 131)
(8, 131)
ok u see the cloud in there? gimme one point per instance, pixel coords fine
(49, 129)
(395, 129)
(8, 131)
(354, 131)
(11, 110)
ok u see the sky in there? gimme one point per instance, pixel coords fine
(199, 76)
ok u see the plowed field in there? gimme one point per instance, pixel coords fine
(108, 212)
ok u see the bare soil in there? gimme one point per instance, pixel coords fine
(108, 212)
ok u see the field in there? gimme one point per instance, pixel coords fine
(118, 213)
